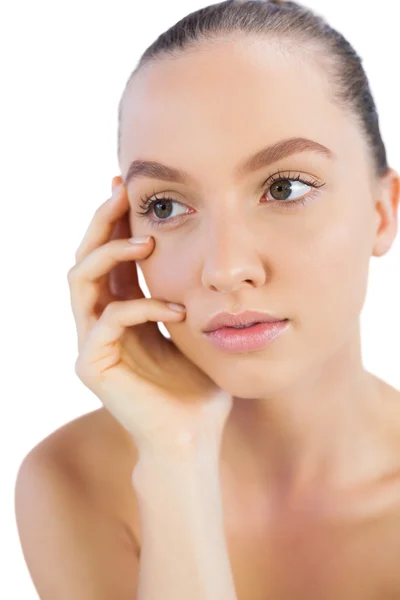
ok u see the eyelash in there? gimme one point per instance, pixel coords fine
(149, 201)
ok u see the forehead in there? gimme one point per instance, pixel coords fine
(221, 101)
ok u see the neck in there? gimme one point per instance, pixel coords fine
(326, 427)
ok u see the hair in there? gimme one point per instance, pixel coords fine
(293, 26)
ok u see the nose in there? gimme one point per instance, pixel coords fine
(232, 261)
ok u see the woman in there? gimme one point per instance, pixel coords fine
(239, 458)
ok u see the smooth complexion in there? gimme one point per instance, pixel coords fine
(304, 405)
(301, 497)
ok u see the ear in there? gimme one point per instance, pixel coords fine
(386, 210)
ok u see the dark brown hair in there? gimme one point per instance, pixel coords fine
(294, 26)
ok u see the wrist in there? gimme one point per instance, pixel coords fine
(195, 456)
(186, 447)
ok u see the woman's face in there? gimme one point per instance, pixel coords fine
(230, 240)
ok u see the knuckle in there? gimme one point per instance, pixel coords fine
(111, 309)
(71, 274)
(79, 368)
(85, 373)
(99, 209)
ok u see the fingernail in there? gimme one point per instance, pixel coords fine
(143, 239)
(177, 307)
(115, 183)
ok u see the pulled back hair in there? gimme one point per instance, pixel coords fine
(295, 27)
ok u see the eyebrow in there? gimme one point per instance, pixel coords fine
(264, 157)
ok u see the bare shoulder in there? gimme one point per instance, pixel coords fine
(98, 456)
(76, 512)
(95, 455)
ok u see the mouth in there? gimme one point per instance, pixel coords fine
(244, 320)
(246, 338)
(240, 326)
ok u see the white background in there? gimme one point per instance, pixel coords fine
(63, 69)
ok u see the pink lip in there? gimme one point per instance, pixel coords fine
(226, 319)
(256, 337)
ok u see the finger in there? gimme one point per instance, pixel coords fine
(85, 276)
(123, 278)
(101, 349)
(103, 222)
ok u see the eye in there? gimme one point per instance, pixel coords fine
(163, 209)
(290, 189)
(287, 189)
(281, 186)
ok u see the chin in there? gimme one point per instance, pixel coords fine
(248, 390)
(253, 379)
(249, 375)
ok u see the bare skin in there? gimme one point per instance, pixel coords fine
(315, 430)
(310, 460)
(342, 540)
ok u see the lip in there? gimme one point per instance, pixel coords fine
(256, 337)
(226, 319)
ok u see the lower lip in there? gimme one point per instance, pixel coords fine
(255, 337)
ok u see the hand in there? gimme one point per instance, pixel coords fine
(161, 398)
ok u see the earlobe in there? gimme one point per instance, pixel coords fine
(386, 211)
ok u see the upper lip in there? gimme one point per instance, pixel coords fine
(225, 319)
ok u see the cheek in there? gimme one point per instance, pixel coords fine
(164, 274)
(333, 275)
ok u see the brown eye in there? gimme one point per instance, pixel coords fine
(163, 209)
(283, 188)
